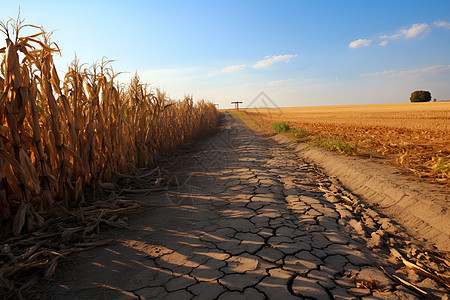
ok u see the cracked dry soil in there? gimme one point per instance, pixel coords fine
(250, 220)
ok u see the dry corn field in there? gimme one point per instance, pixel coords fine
(415, 136)
(61, 137)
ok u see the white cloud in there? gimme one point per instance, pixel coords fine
(442, 24)
(432, 70)
(360, 43)
(233, 68)
(423, 71)
(277, 82)
(270, 60)
(415, 30)
(383, 73)
(395, 36)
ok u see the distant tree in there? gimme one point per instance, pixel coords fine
(420, 96)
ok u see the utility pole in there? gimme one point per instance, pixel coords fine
(236, 104)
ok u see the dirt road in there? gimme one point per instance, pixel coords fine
(249, 220)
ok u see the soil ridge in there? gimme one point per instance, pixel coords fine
(421, 207)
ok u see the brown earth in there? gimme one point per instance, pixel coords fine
(251, 219)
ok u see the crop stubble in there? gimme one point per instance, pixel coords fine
(412, 135)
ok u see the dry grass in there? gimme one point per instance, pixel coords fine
(413, 135)
(60, 137)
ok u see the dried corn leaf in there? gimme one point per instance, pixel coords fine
(405, 283)
(20, 218)
(51, 268)
(29, 170)
(419, 269)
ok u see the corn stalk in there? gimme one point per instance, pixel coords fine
(62, 138)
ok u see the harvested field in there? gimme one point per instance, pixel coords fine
(412, 135)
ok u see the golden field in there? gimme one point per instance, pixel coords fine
(413, 135)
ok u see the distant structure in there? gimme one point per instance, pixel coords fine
(236, 104)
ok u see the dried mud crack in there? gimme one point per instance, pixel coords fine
(251, 220)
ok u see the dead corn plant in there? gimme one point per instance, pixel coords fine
(61, 138)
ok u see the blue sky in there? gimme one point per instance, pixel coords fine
(299, 53)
